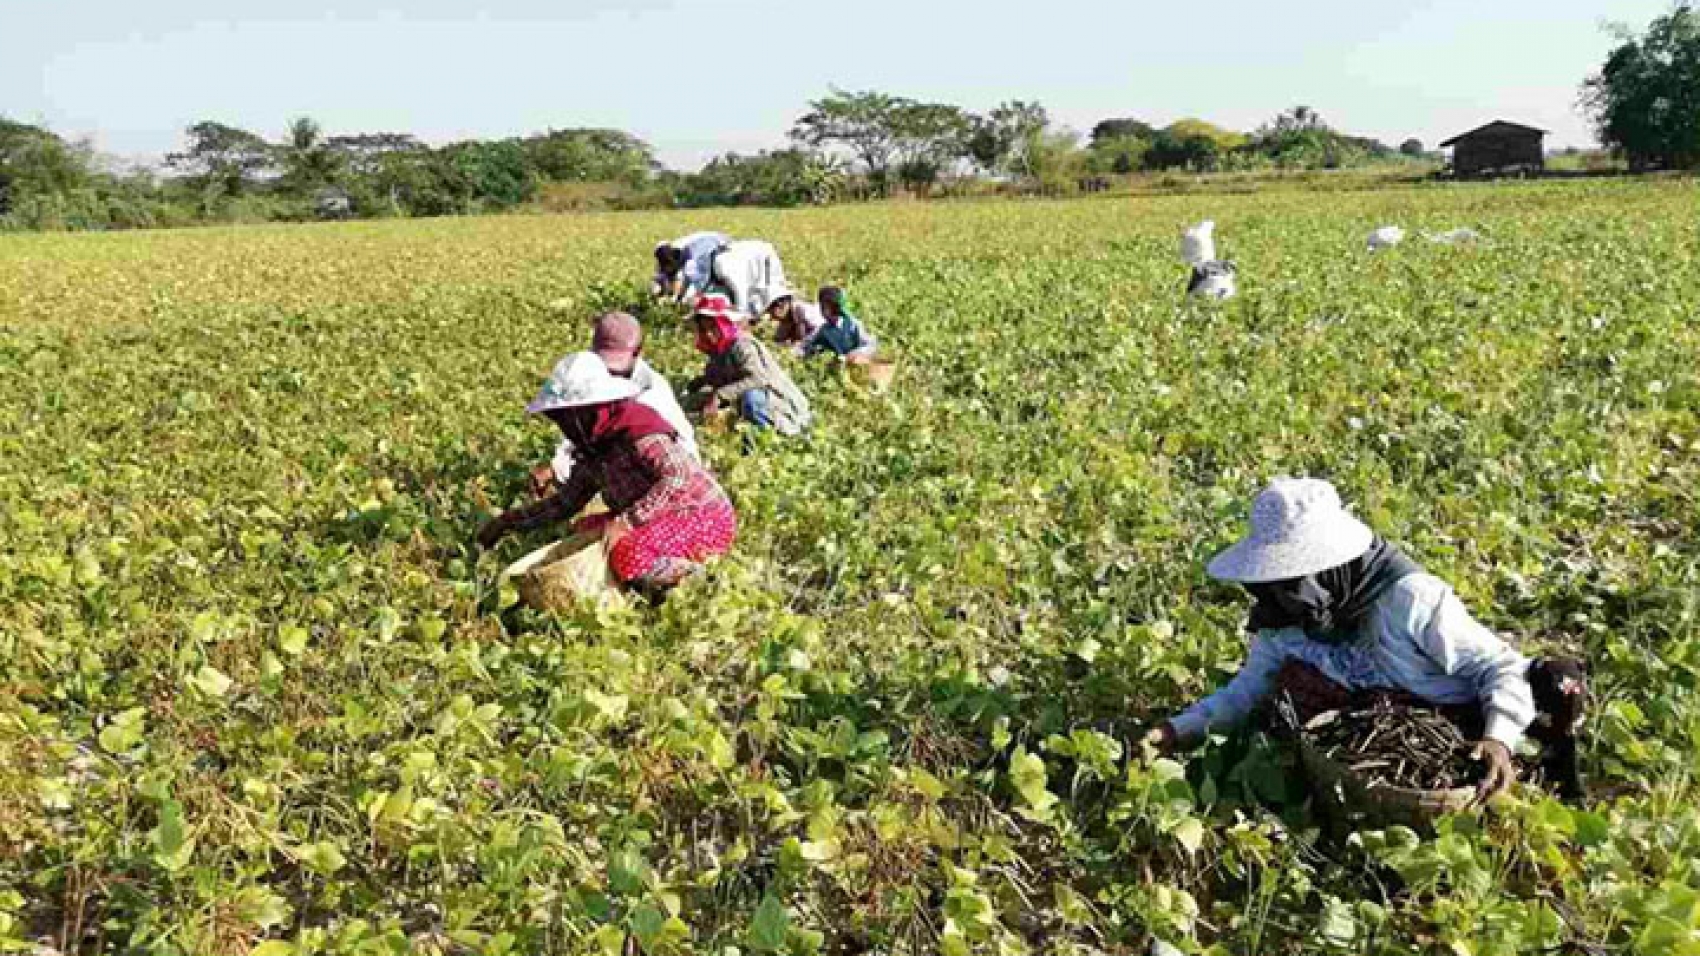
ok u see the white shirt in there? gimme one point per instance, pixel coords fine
(751, 272)
(658, 395)
(1416, 637)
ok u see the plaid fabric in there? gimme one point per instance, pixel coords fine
(639, 481)
(672, 545)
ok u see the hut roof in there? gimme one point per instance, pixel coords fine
(1495, 127)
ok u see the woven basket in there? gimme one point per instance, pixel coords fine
(877, 374)
(1364, 803)
(565, 575)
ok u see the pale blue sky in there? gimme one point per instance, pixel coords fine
(699, 77)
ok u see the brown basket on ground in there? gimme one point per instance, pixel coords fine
(1365, 803)
(878, 375)
(565, 575)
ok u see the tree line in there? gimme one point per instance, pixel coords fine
(1644, 101)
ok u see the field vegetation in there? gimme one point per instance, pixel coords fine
(259, 694)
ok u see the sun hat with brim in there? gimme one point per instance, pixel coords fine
(1298, 528)
(580, 379)
(716, 305)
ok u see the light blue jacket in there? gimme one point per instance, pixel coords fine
(1417, 637)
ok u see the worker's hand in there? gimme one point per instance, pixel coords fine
(543, 481)
(1161, 738)
(494, 530)
(711, 406)
(1500, 772)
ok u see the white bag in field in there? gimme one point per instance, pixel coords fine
(1198, 243)
(1453, 237)
(1386, 238)
(1213, 280)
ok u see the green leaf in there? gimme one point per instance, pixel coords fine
(172, 845)
(628, 873)
(768, 926)
(324, 857)
(1189, 833)
(292, 640)
(125, 732)
(211, 681)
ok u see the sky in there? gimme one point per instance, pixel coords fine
(697, 78)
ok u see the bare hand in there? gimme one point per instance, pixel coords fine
(1499, 774)
(543, 481)
(1161, 738)
(494, 530)
(711, 406)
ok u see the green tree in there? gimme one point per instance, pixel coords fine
(1412, 147)
(999, 140)
(930, 137)
(862, 123)
(307, 161)
(787, 177)
(1645, 100)
(590, 155)
(35, 162)
(1121, 129)
(481, 175)
(223, 158)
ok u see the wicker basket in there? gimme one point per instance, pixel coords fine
(877, 374)
(565, 575)
(1363, 803)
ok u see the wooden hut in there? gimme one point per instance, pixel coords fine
(1500, 146)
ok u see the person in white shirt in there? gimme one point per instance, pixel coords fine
(618, 341)
(750, 273)
(1339, 611)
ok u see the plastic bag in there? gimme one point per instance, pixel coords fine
(1386, 237)
(1453, 237)
(1213, 280)
(1198, 243)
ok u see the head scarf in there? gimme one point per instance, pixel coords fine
(831, 299)
(593, 427)
(1330, 604)
(722, 331)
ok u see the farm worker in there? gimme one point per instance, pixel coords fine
(742, 371)
(618, 341)
(1338, 611)
(842, 335)
(684, 267)
(795, 322)
(666, 513)
(750, 273)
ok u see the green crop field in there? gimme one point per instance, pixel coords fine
(259, 693)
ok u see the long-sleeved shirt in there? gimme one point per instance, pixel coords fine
(699, 249)
(799, 329)
(638, 480)
(1417, 637)
(657, 394)
(751, 273)
(841, 338)
(748, 364)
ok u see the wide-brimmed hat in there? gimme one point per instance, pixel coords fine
(581, 378)
(716, 305)
(1298, 528)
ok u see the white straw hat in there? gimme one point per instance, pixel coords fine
(581, 378)
(1298, 528)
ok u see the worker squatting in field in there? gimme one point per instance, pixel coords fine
(1339, 611)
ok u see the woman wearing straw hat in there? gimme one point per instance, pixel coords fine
(743, 373)
(1340, 611)
(666, 513)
